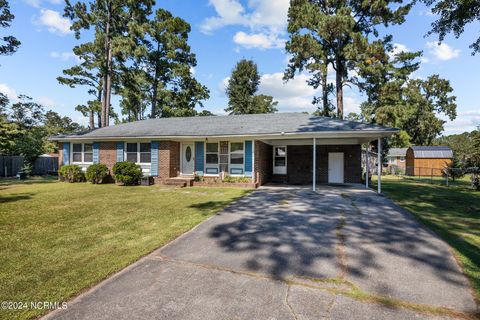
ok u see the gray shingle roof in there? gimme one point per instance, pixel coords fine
(397, 152)
(440, 152)
(255, 124)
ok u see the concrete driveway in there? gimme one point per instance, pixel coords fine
(289, 253)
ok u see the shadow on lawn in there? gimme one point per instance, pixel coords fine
(16, 197)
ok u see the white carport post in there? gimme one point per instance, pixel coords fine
(379, 165)
(314, 176)
(367, 167)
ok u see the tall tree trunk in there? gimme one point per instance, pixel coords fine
(108, 71)
(326, 111)
(339, 87)
(155, 87)
(91, 122)
(99, 112)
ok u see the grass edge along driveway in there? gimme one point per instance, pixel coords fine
(59, 239)
(453, 213)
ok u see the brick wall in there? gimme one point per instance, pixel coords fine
(108, 154)
(299, 163)
(263, 162)
(168, 160)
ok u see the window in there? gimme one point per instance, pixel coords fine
(236, 153)
(402, 159)
(211, 158)
(145, 153)
(138, 152)
(82, 153)
(280, 160)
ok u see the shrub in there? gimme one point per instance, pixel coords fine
(197, 178)
(127, 173)
(97, 173)
(71, 173)
(230, 179)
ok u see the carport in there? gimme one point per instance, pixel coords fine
(322, 158)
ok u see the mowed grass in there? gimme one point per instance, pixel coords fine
(57, 239)
(452, 212)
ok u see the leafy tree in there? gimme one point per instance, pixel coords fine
(461, 144)
(241, 90)
(25, 128)
(474, 159)
(8, 44)
(205, 113)
(115, 23)
(395, 99)
(454, 16)
(336, 33)
(166, 60)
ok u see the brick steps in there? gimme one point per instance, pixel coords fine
(180, 182)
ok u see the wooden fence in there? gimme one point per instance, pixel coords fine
(10, 165)
(45, 165)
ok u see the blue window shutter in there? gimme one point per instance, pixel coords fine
(199, 157)
(120, 151)
(154, 158)
(66, 153)
(96, 151)
(248, 158)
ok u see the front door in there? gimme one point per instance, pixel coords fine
(335, 167)
(188, 165)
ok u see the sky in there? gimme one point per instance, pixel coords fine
(223, 32)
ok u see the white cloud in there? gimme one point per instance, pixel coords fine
(45, 101)
(442, 51)
(265, 19)
(351, 104)
(398, 47)
(54, 21)
(64, 56)
(465, 121)
(257, 40)
(38, 3)
(9, 92)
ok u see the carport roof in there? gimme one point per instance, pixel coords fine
(232, 125)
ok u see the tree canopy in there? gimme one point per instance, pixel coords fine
(453, 17)
(8, 44)
(338, 34)
(242, 88)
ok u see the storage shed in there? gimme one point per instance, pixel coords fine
(428, 160)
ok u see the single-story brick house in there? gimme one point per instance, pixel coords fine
(282, 147)
(396, 159)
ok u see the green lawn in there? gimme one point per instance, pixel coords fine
(57, 239)
(452, 212)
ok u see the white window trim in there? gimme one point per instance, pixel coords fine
(211, 166)
(83, 153)
(236, 166)
(286, 155)
(138, 153)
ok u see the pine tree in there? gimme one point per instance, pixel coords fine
(115, 23)
(9, 44)
(241, 90)
(336, 33)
